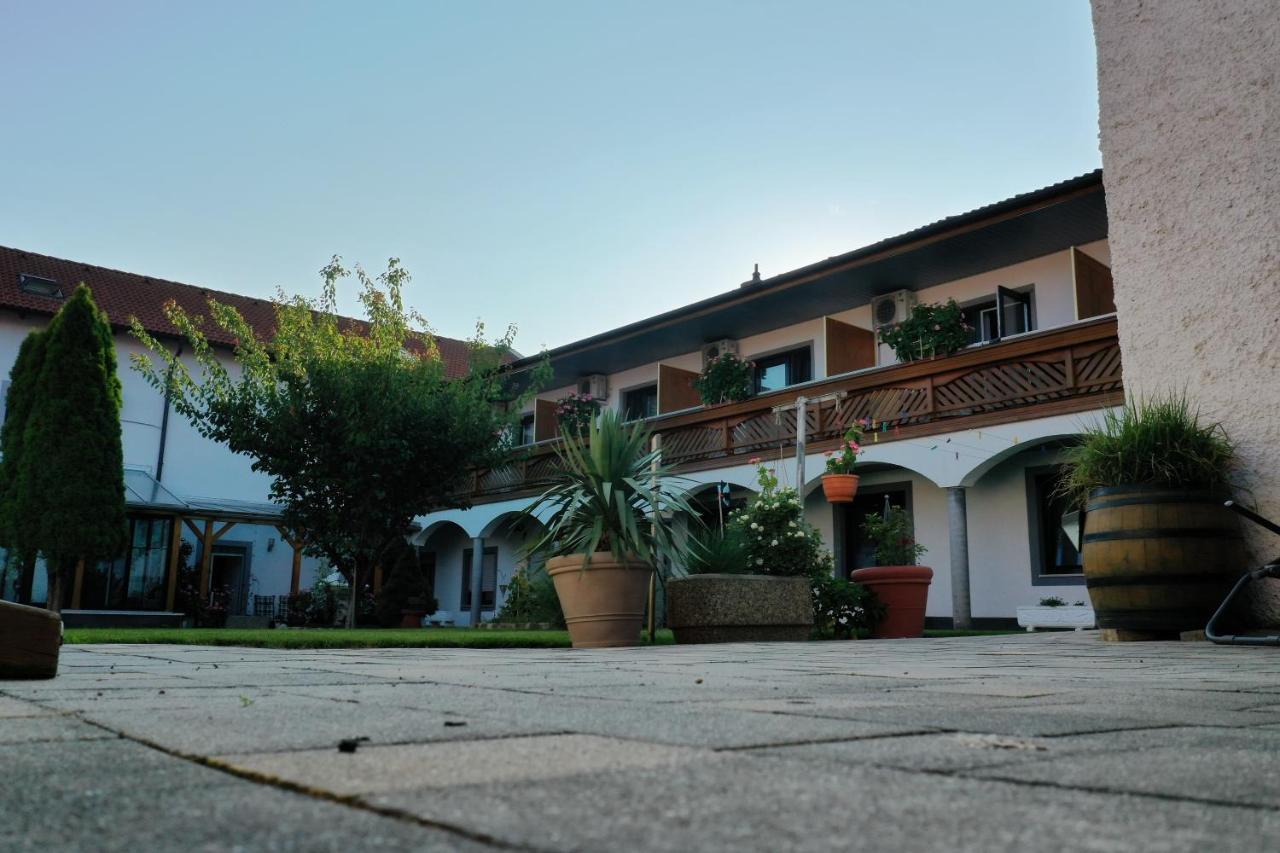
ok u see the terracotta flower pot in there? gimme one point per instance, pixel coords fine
(603, 600)
(840, 488)
(903, 590)
(412, 618)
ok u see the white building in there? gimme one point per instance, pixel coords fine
(968, 443)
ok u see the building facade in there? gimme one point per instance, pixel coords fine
(969, 443)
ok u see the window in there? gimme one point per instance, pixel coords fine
(427, 563)
(488, 578)
(1006, 313)
(524, 431)
(136, 580)
(777, 371)
(640, 403)
(37, 286)
(1055, 531)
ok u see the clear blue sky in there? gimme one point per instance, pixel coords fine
(567, 166)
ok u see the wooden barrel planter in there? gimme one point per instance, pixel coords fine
(1157, 560)
(30, 638)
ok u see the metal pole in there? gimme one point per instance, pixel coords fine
(656, 444)
(802, 425)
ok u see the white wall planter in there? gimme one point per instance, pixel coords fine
(1078, 617)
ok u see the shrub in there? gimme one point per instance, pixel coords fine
(406, 589)
(894, 537)
(1052, 601)
(205, 613)
(932, 329)
(576, 412)
(844, 461)
(841, 608)
(1159, 442)
(726, 379)
(719, 552)
(777, 539)
(531, 597)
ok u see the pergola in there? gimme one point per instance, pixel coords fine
(209, 519)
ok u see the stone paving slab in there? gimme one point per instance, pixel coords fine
(1031, 742)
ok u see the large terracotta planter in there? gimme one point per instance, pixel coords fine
(603, 600)
(840, 488)
(904, 591)
(1159, 560)
(716, 608)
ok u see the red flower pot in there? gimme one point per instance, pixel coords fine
(840, 488)
(903, 590)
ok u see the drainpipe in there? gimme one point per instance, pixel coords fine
(958, 522)
(164, 417)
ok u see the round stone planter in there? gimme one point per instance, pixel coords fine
(904, 591)
(716, 608)
(603, 600)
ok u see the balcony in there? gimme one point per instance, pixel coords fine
(1052, 372)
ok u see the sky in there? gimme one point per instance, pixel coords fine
(564, 166)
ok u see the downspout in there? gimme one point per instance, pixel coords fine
(164, 417)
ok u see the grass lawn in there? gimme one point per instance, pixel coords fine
(365, 638)
(333, 638)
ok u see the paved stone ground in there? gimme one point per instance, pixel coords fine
(1044, 742)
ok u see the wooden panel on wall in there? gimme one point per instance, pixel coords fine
(545, 423)
(676, 390)
(848, 347)
(1095, 292)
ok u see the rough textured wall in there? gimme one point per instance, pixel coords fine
(1189, 116)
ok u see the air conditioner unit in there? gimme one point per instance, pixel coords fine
(892, 308)
(597, 385)
(718, 348)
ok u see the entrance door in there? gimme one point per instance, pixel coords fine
(858, 553)
(230, 568)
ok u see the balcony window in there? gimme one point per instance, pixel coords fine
(524, 431)
(1008, 312)
(779, 370)
(640, 403)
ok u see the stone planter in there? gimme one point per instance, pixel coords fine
(904, 591)
(1074, 616)
(715, 608)
(603, 599)
(30, 638)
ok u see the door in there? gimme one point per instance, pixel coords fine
(230, 568)
(858, 553)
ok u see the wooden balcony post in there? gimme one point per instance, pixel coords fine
(175, 546)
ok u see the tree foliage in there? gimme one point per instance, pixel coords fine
(18, 401)
(68, 492)
(357, 423)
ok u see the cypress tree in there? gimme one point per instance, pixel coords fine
(18, 402)
(71, 474)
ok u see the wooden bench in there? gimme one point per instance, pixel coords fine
(29, 641)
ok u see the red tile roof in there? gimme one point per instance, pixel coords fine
(123, 295)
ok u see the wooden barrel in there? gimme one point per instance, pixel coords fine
(1159, 560)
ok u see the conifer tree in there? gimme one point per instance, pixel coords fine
(18, 401)
(70, 481)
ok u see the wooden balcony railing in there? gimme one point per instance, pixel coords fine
(1057, 371)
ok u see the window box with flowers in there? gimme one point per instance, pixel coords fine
(839, 483)
(725, 379)
(931, 330)
(576, 413)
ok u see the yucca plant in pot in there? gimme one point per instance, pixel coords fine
(1160, 549)
(605, 529)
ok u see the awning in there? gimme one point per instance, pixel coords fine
(142, 492)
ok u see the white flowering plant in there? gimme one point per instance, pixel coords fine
(776, 538)
(842, 608)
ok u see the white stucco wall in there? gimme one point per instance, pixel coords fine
(1189, 95)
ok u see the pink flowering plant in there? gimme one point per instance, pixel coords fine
(576, 412)
(843, 460)
(726, 379)
(932, 329)
(776, 538)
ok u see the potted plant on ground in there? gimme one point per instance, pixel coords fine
(604, 533)
(725, 379)
(406, 598)
(839, 483)
(930, 330)
(899, 584)
(1160, 549)
(752, 582)
(1053, 612)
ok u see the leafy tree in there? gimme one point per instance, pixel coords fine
(18, 401)
(70, 484)
(357, 423)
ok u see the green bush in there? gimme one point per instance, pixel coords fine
(531, 598)
(406, 589)
(937, 329)
(1159, 442)
(841, 608)
(777, 539)
(894, 537)
(719, 552)
(726, 379)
